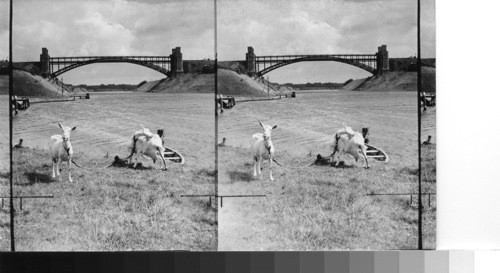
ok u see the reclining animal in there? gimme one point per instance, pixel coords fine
(147, 144)
(143, 132)
(346, 141)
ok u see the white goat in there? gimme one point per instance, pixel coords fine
(148, 145)
(263, 148)
(143, 132)
(61, 150)
(350, 142)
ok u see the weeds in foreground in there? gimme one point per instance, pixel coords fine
(108, 209)
(321, 208)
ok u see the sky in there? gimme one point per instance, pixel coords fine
(322, 27)
(112, 28)
(154, 27)
(4, 30)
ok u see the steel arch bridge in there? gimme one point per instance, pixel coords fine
(60, 65)
(266, 64)
(375, 63)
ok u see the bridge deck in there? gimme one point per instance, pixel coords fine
(71, 60)
(371, 56)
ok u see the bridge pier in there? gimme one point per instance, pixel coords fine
(176, 64)
(250, 61)
(382, 60)
(45, 63)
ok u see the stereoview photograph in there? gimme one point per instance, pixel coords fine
(318, 125)
(113, 125)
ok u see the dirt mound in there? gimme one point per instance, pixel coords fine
(233, 83)
(429, 79)
(147, 86)
(230, 83)
(26, 84)
(354, 84)
(185, 83)
(4, 84)
(393, 81)
(396, 81)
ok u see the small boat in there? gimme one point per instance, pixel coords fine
(376, 153)
(173, 155)
(428, 98)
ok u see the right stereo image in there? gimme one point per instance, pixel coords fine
(319, 145)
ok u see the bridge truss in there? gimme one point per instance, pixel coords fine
(266, 64)
(60, 65)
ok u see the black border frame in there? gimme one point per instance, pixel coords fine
(12, 228)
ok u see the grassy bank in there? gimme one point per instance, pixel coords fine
(114, 208)
(4, 213)
(319, 207)
(27, 84)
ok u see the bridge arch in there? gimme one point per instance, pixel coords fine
(76, 64)
(353, 62)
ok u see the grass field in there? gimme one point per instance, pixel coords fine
(4, 213)
(4, 134)
(106, 122)
(117, 208)
(4, 168)
(320, 207)
(314, 208)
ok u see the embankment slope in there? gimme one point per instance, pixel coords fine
(229, 83)
(26, 84)
(239, 84)
(396, 81)
(4, 84)
(185, 83)
(233, 83)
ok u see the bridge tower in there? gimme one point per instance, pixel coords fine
(176, 62)
(250, 61)
(45, 63)
(382, 60)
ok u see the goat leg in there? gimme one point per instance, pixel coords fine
(337, 162)
(162, 157)
(58, 169)
(69, 170)
(137, 156)
(259, 169)
(53, 168)
(363, 152)
(270, 168)
(161, 150)
(133, 148)
(255, 167)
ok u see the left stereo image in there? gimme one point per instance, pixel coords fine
(113, 126)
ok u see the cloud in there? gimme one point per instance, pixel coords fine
(428, 28)
(317, 27)
(112, 28)
(118, 27)
(271, 28)
(4, 30)
(283, 27)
